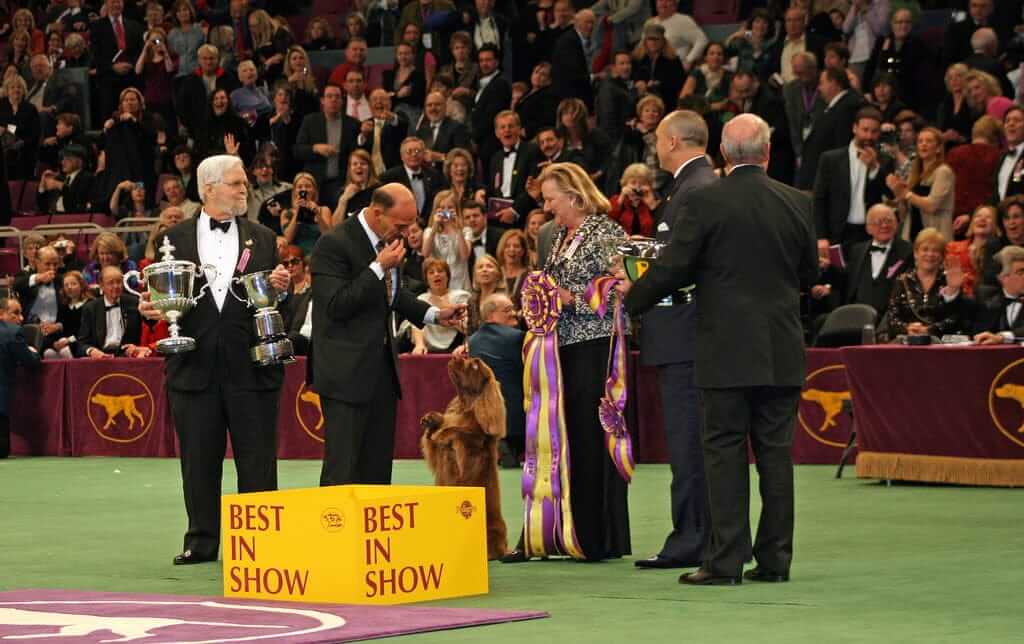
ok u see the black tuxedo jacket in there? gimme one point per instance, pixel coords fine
(77, 194)
(901, 254)
(93, 331)
(351, 317)
(103, 45)
(668, 334)
(391, 137)
(990, 315)
(527, 157)
(433, 182)
(27, 294)
(450, 134)
(747, 242)
(1015, 181)
(538, 110)
(223, 336)
(832, 196)
(314, 130)
(491, 238)
(833, 129)
(570, 74)
(497, 96)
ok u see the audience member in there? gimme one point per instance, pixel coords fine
(107, 250)
(63, 343)
(186, 38)
(355, 58)
(175, 197)
(615, 102)
(514, 261)
(416, 175)
(441, 133)
(998, 318)
(487, 280)
(325, 141)
(303, 219)
(633, 207)
(873, 265)
(382, 134)
(970, 251)
(445, 238)
(111, 324)
(116, 42)
(195, 90)
(40, 291)
(1009, 177)
(19, 121)
(71, 190)
(361, 182)
(436, 338)
(926, 198)
(656, 67)
(974, 164)
(834, 128)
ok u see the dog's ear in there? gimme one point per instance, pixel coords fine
(489, 406)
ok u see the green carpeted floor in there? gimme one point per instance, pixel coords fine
(907, 563)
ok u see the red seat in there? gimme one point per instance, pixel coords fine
(29, 198)
(15, 188)
(298, 26)
(716, 12)
(321, 74)
(28, 222)
(10, 261)
(329, 8)
(375, 74)
(103, 220)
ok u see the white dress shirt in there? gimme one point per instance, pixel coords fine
(220, 249)
(45, 305)
(115, 327)
(1006, 168)
(378, 270)
(859, 175)
(358, 108)
(484, 81)
(878, 258)
(508, 166)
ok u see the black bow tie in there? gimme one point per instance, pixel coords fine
(417, 176)
(220, 225)
(878, 249)
(478, 242)
(111, 307)
(509, 153)
(1007, 301)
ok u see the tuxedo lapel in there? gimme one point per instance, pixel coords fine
(101, 323)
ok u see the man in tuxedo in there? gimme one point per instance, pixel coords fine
(14, 352)
(551, 148)
(116, 43)
(849, 181)
(483, 236)
(216, 389)
(570, 68)
(1009, 179)
(439, 132)
(746, 237)
(111, 325)
(70, 191)
(872, 266)
(493, 94)
(356, 292)
(510, 167)
(998, 319)
(324, 143)
(834, 128)
(417, 176)
(668, 339)
(382, 135)
(802, 101)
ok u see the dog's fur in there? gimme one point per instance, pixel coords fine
(461, 445)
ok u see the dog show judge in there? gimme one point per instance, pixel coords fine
(357, 291)
(216, 389)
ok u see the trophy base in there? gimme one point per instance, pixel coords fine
(273, 353)
(175, 344)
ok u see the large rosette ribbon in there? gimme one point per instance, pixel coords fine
(612, 406)
(548, 526)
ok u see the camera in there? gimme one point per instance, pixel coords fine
(305, 215)
(445, 215)
(140, 185)
(156, 41)
(888, 137)
(637, 192)
(61, 244)
(272, 203)
(303, 194)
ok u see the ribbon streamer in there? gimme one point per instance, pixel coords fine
(548, 527)
(616, 391)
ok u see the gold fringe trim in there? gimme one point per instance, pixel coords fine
(941, 469)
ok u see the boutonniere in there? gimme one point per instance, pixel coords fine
(893, 269)
(248, 243)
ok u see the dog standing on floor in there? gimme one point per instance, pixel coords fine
(461, 445)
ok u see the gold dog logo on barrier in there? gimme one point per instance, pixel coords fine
(128, 408)
(1006, 402)
(825, 390)
(310, 413)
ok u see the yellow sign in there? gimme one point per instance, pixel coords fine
(825, 390)
(355, 544)
(1006, 402)
(127, 404)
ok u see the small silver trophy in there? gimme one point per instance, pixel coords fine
(272, 344)
(170, 283)
(638, 253)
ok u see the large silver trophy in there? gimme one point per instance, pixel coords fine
(637, 255)
(272, 344)
(170, 285)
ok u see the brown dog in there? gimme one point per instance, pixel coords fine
(461, 445)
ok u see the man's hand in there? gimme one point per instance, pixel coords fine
(325, 150)
(365, 129)
(135, 351)
(391, 255)
(122, 68)
(819, 291)
(96, 354)
(50, 327)
(507, 216)
(45, 277)
(280, 278)
(451, 315)
(961, 223)
(146, 308)
(917, 328)
(230, 144)
(868, 155)
(61, 343)
(986, 337)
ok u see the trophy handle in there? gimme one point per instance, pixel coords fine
(128, 279)
(206, 287)
(231, 289)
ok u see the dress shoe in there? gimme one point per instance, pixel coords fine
(659, 562)
(514, 556)
(763, 574)
(189, 557)
(704, 578)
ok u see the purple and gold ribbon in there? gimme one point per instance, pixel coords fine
(548, 527)
(613, 405)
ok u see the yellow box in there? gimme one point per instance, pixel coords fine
(355, 544)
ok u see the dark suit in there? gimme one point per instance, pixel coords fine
(527, 157)
(748, 244)
(832, 196)
(217, 389)
(14, 351)
(103, 45)
(537, 109)
(497, 96)
(501, 348)
(991, 315)
(433, 181)
(354, 364)
(860, 287)
(92, 333)
(450, 134)
(668, 338)
(77, 194)
(833, 129)
(491, 236)
(314, 130)
(570, 73)
(391, 137)
(294, 310)
(193, 100)
(798, 117)
(27, 294)
(1014, 180)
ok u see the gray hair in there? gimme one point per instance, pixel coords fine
(745, 139)
(491, 304)
(984, 40)
(879, 209)
(807, 57)
(687, 125)
(212, 170)
(1007, 256)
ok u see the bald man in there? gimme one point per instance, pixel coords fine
(747, 242)
(357, 290)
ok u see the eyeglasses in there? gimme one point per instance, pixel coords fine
(294, 261)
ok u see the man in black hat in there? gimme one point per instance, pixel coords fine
(71, 190)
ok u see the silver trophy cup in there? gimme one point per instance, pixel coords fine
(170, 284)
(272, 343)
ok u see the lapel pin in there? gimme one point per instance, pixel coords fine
(248, 242)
